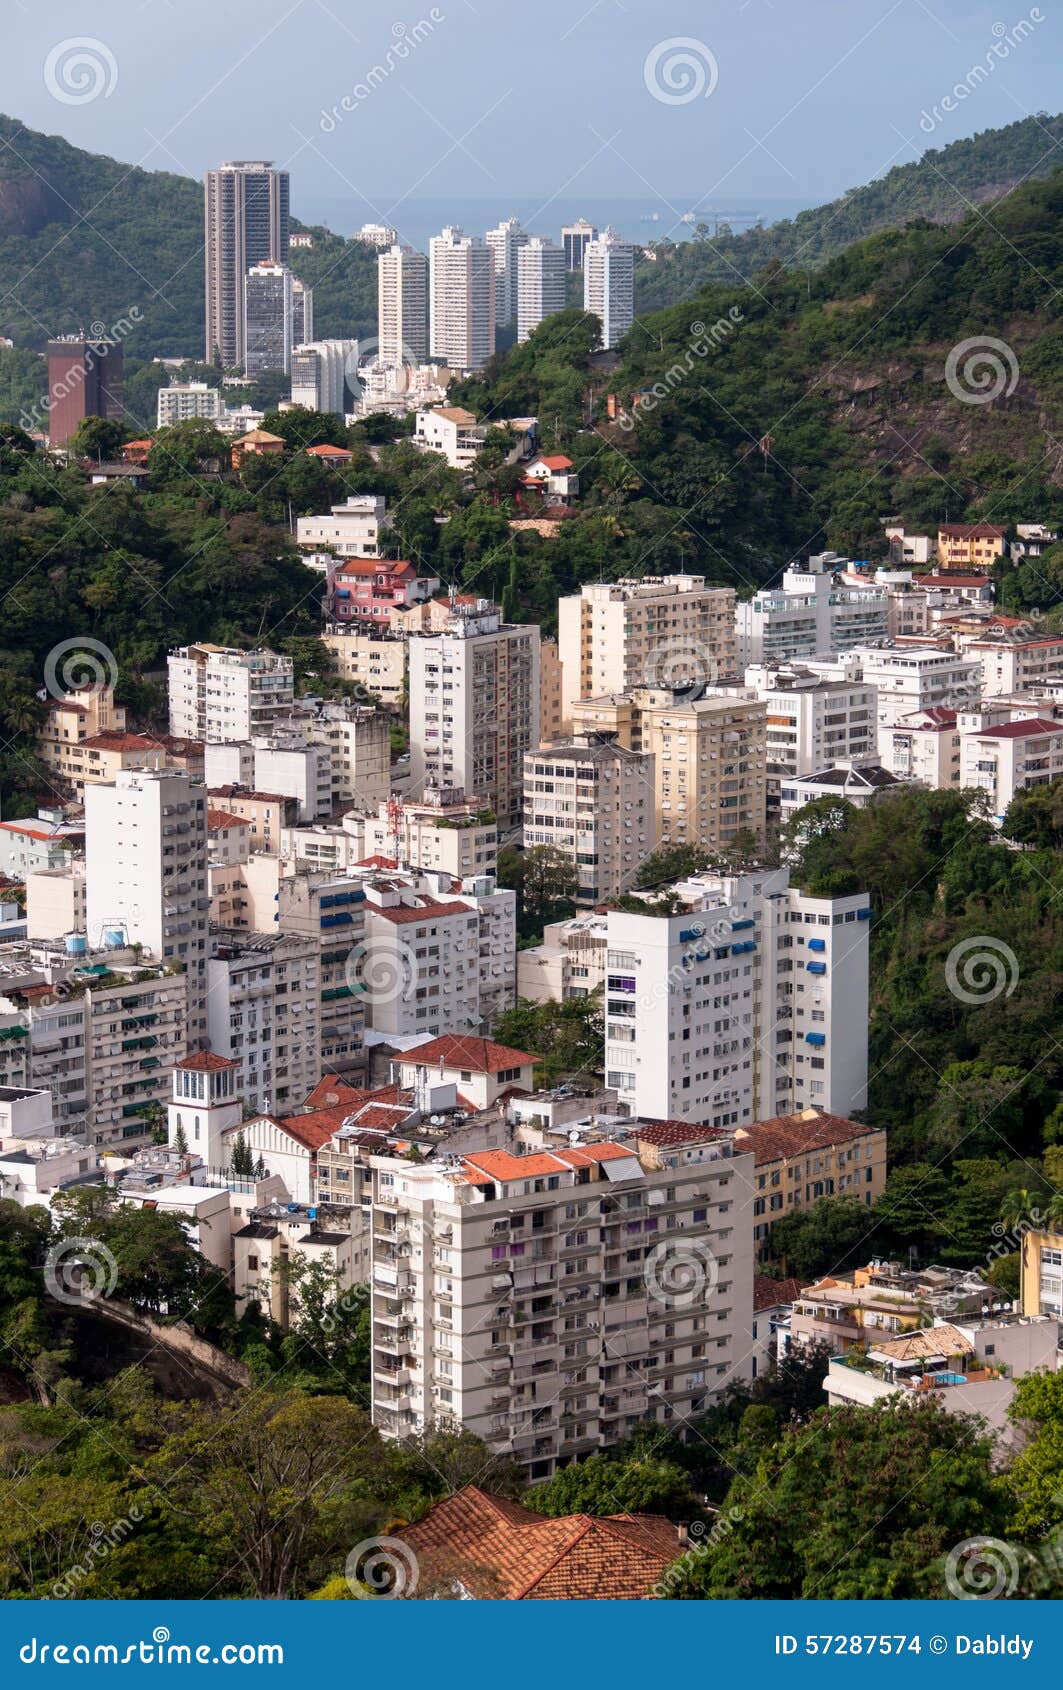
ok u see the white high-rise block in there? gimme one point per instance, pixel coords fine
(609, 284)
(541, 284)
(461, 312)
(506, 243)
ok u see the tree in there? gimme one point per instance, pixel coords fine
(545, 882)
(671, 863)
(603, 1485)
(98, 438)
(860, 1503)
(180, 1142)
(568, 1037)
(828, 1236)
(242, 1157)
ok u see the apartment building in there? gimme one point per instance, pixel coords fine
(593, 801)
(184, 401)
(751, 1003)
(925, 748)
(351, 529)
(575, 238)
(856, 1308)
(912, 681)
(402, 306)
(803, 1157)
(220, 694)
(55, 901)
(541, 284)
(525, 1297)
(858, 784)
(969, 547)
(550, 708)
(103, 756)
(146, 874)
(43, 841)
(368, 658)
(506, 242)
(436, 961)
(609, 284)
(452, 431)
(811, 612)
(439, 831)
(663, 631)
(570, 962)
(358, 739)
(246, 223)
(292, 765)
(323, 373)
(1009, 757)
(1018, 664)
(330, 910)
(266, 813)
(263, 1013)
(812, 720)
(474, 708)
(302, 313)
(461, 300)
(268, 320)
(1041, 1273)
(71, 720)
(709, 766)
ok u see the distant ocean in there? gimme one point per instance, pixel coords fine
(640, 221)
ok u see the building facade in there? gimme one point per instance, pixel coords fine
(246, 223)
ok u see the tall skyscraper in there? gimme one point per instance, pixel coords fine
(268, 319)
(321, 374)
(505, 243)
(84, 380)
(541, 282)
(246, 223)
(461, 330)
(609, 284)
(302, 313)
(402, 306)
(574, 239)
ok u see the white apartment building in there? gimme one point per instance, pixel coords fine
(352, 529)
(330, 909)
(542, 278)
(183, 401)
(263, 1012)
(322, 371)
(813, 720)
(436, 960)
(521, 1296)
(924, 748)
(660, 630)
(290, 767)
(451, 430)
(461, 300)
(474, 708)
(402, 306)
(858, 784)
(1018, 665)
(592, 800)
(1010, 757)
(811, 612)
(220, 693)
(609, 284)
(146, 874)
(570, 962)
(913, 680)
(302, 313)
(506, 243)
(750, 1004)
(440, 831)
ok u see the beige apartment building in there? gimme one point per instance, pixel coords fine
(551, 714)
(592, 800)
(532, 1298)
(70, 721)
(802, 1157)
(666, 631)
(710, 763)
(374, 661)
(1041, 1274)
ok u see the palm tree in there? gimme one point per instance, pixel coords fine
(1016, 1208)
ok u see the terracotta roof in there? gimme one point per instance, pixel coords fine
(30, 832)
(218, 820)
(329, 452)
(112, 741)
(773, 1293)
(206, 1062)
(499, 1551)
(68, 704)
(455, 414)
(244, 792)
(481, 1056)
(949, 580)
(676, 1132)
(376, 862)
(502, 1166)
(792, 1135)
(430, 909)
(260, 437)
(397, 567)
(928, 1341)
(558, 462)
(1031, 729)
(330, 1090)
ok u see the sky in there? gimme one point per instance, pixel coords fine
(740, 102)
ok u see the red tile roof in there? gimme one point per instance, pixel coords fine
(428, 910)
(206, 1062)
(1031, 729)
(502, 1166)
(219, 820)
(792, 1135)
(500, 1551)
(676, 1132)
(113, 741)
(949, 580)
(480, 1056)
(329, 452)
(773, 1293)
(376, 862)
(557, 462)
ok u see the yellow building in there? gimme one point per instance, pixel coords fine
(801, 1158)
(1041, 1270)
(710, 766)
(70, 721)
(969, 546)
(373, 661)
(549, 693)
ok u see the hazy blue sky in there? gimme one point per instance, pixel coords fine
(545, 98)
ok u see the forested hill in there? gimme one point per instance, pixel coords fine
(945, 184)
(84, 238)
